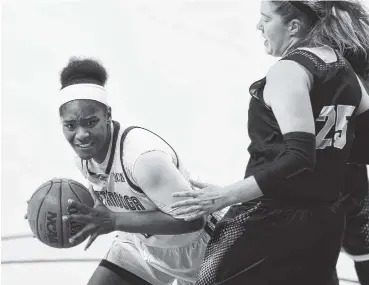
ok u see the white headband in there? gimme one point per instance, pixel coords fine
(83, 91)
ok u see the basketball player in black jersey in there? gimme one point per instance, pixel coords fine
(356, 238)
(302, 119)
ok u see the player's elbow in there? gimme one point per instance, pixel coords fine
(307, 161)
(300, 151)
(300, 162)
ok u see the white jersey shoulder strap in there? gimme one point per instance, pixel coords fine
(123, 137)
(84, 163)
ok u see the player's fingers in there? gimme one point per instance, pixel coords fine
(83, 219)
(190, 194)
(188, 210)
(186, 203)
(93, 194)
(199, 184)
(82, 208)
(92, 239)
(83, 234)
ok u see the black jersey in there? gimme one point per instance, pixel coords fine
(335, 96)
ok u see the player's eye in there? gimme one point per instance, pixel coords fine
(69, 126)
(264, 18)
(92, 123)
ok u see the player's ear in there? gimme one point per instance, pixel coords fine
(108, 114)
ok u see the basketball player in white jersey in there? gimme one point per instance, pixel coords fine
(132, 173)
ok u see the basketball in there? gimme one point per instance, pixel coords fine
(49, 204)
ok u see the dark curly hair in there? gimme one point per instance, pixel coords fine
(79, 71)
(83, 71)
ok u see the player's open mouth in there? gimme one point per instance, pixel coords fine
(84, 146)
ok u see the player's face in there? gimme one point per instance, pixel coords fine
(85, 127)
(275, 33)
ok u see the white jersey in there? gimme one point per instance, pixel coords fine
(158, 259)
(115, 185)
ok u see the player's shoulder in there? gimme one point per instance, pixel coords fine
(325, 53)
(140, 140)
(139, 136)
(303, 62)
(289, 71)
(136, 132)
(285, 68)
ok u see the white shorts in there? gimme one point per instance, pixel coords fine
(159, 266)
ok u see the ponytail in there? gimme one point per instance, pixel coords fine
(343, 25)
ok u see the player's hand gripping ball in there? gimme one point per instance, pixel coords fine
(98, 220)
(49, 204)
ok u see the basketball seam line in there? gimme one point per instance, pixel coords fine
(39, 190)
(75, 194)
(79, 185)
(69, 184)
(61, 216)
(39, 209)
(41, 187)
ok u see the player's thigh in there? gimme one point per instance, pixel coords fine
(108, 273)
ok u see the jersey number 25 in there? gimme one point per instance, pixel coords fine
(337, 120)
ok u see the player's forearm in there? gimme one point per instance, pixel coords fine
(242, 191)
(155, 223)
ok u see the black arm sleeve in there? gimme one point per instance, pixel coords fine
(299, 155)
(360, 146)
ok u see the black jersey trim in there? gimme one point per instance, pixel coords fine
(124, 135)
(116, 127)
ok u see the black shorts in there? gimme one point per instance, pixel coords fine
(127, 277)
(274, 246)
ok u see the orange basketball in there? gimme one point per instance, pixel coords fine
(49, 204)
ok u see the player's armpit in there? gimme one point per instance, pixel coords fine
(155, 173)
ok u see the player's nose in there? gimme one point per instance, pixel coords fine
(259, 25)
(82, 136)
